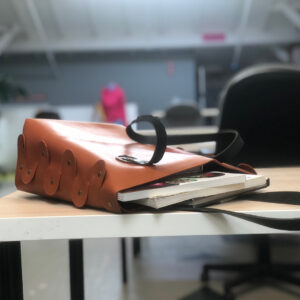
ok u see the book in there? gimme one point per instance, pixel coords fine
(208, 195)
(181, 184)
(252, 183)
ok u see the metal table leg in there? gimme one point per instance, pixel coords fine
(11, 284)
(76, 269)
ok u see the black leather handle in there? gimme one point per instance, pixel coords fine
(160, 140)
(230, 140)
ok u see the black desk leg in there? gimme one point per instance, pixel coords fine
(124, 260)
(76, 269)
(136, 246)
(11, 285)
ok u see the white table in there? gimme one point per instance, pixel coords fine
(204, 112)
(205, 147)
(28, 217)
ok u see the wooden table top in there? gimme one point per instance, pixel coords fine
(21, 204)
(25, 216)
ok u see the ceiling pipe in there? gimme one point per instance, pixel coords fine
(281, 54)
(159, 43)
(42, 35)
(7, 37)
(290, 12)
(237, 52)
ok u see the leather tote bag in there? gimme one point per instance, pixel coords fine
(89, 163)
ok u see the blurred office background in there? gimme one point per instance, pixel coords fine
(57, 55)
(63, 52)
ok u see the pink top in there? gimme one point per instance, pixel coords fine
(113, 101)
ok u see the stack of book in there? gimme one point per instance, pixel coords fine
(194, 189)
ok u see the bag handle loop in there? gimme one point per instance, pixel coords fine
(229, 140)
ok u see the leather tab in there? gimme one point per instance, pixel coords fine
(28, 172)
(97, 174)
(26, 168)
(79, 192)
(44, 153)
(96, 178)
(51, 181)
(21, 143)
(21, 159)
(21, 154)
(69, 167)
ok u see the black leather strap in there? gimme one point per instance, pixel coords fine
(291, 224)
(160, 140)
(228, 140)
(287, 197)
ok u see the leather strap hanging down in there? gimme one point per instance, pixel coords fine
(286, 197)
(291, 224)
(230, 140)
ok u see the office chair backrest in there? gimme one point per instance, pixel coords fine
(47, 115)
(263, 104)
(183, 115)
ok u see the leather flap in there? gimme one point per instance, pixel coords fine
(20, 162)
(96, 178)
(69, 166)
(97, 174)
(21, 153)
(44, 152)
(79, 192)
(21, 143)
(28, 172)
(25, 169)
(51, 181)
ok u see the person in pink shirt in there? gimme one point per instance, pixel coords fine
(113, 101)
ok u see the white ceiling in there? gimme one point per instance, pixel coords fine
(84, 25)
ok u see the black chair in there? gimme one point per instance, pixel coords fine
(47, 115)
(182, 115)
(263, 104)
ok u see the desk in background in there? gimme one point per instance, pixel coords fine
(204, 112)
(209, 115)
(206, 148)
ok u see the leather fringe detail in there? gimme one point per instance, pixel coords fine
(58, 179)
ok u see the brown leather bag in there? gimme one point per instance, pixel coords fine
(87, 163)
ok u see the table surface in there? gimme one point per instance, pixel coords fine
(206, 147)
(25, 216)
(205, 112)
